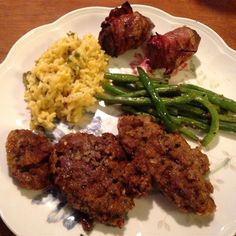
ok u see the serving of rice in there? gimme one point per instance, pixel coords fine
(64, 80)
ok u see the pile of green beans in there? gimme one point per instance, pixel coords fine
(183, 108)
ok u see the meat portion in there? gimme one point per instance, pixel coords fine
(177, 169)
(124, 29)
(28, 158)
(93, 173)
(88, 171)
(101, 176)
(172, 49)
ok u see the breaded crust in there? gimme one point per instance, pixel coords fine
(88, 171)
(28, 158)
(178, 170)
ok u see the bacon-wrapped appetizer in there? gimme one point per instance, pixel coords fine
(124, 29)
(172, 49)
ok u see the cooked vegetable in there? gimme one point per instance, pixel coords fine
(214, 127)
(121, 77)
(186, 108)
(214, 98)
(156, 100)
(113, 89)
(138, 101)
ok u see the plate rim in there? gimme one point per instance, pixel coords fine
(230, 51)
(4, 65)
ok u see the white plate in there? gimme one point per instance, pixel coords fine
(215, 68)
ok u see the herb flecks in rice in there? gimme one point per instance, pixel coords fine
(64, 80)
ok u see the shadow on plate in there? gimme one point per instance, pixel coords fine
(181, 218)
(139, 212)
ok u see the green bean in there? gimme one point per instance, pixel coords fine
(228, 118)
(203, 124)
(172, 110)
(140, 101)
(156, 100)
(197, 113)
(180, 120)
(138, 93)
(191, 110)
(108, 87)
(227, 126)
(129, 87)
(161, 90)
(191, 122)
(134, 111)
(188, 133)
(178, 100)
(214, 126)
(213, 97)
(177, 106)
(156, 83)
(129, 78)
(121, 77)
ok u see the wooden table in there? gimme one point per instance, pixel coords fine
(18, 17)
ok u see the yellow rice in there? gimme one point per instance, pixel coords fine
(64, 80)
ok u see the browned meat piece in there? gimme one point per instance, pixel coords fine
(137, 178)
(173, 49)
(177, 169)
(88, 171)
(28, 158)
(124, 29)
(100, 180)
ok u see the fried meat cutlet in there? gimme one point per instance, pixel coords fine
(88, 171)
(177, 169)
(101, 175)
(137, 178)
(28, 158)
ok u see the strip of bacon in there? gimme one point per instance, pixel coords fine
(173, 49)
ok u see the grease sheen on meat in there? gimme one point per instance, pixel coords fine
(101, 175)
(124, 29)
(88, 171)
(178, 170)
